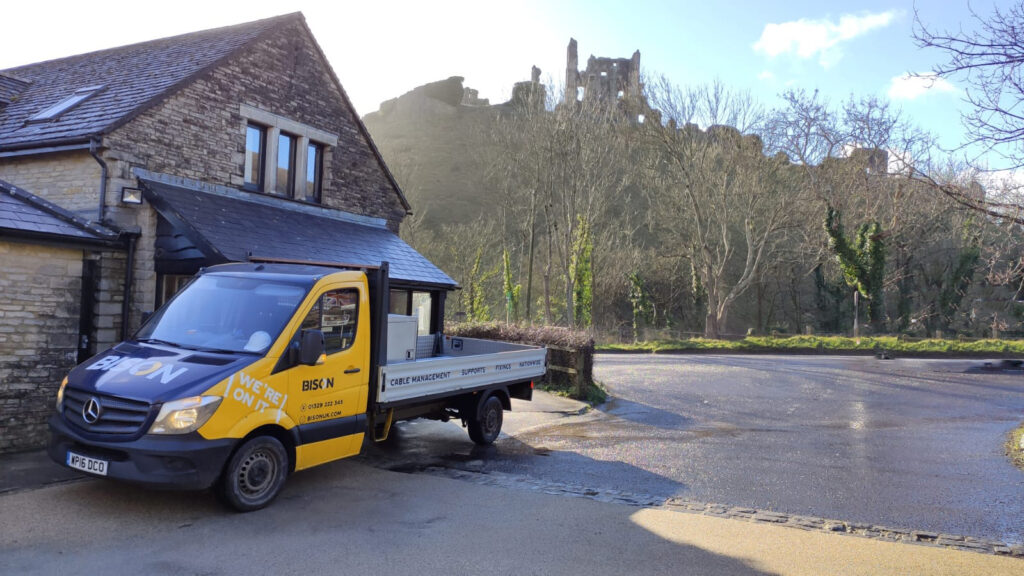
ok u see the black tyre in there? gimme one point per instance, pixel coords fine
(484, 429)
(255, 474)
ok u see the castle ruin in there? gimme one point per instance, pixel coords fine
(604, 80)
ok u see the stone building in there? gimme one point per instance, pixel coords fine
(124, 171)
(604, 79)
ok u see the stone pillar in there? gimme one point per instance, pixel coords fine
(572, 73)
(301, 161)
(633, 89)
(270, 164)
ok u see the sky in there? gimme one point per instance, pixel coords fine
(381, 49)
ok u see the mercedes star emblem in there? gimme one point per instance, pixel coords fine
(92, 410)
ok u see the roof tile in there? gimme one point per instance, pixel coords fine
(21, 211)
(238, 229)
(132, 77)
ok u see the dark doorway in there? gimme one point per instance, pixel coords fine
(87, 302)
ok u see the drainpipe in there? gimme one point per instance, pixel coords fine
(93, 145)
(129, 273)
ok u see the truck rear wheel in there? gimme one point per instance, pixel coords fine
(255, 474)
(484, 429)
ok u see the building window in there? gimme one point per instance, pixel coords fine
(410, 303)
(293, 157)
(314, 171)
(422, 309)
(285, 183)
(400, 302)
(255, 152)
(169, 285)
(54, 112)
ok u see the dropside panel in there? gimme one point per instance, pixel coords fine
(466, 364)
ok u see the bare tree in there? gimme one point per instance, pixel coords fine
(718, 196)
(988, 59)
(561, 168)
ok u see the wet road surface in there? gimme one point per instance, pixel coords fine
(912, 444)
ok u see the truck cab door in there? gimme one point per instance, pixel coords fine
(328, 400)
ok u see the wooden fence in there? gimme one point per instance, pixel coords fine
(570, 369)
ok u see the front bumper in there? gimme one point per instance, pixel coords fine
(185, 462)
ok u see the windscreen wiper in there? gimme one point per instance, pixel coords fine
(164, 342)
(223, 351)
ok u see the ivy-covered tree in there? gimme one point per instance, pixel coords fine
(474, 301)
(862, 261)
(830, 298)
(946, 282)
(582, 272)
(511, 290)
(643, 308)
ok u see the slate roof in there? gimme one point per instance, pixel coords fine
(10, 88)
(134, 77)
(25, 214)
(232, 225)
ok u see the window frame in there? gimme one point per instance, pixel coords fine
(55, 111)
(260, 170)
(289, 185)
(315, 196)
(305, 137)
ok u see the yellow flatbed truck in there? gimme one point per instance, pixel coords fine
(258, 370)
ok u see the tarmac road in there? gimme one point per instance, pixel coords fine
(910, 443)
(349, 518)
(914, 444)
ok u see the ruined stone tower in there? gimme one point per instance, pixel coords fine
(604, 80)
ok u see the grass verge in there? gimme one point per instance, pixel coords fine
(824, 344)
(1015, 447)
(595, 394)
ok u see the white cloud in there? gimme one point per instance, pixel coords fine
(908, 87)
(809, 38)
(766, 75)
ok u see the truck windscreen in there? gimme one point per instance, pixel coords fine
(226, 314)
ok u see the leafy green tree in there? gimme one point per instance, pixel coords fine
(643, 308)
(511, 290)
(474, 300)
(862, 262)
(582, 272)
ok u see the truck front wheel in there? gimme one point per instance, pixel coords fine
(484, 429)
(255, 474)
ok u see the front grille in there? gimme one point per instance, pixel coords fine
(117, 415)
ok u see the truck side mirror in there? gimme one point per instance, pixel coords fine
(311, 347)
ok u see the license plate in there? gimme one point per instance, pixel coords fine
(86, 464)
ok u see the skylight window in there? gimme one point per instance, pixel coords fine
(54, 112)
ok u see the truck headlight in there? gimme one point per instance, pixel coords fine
(185, 415)
(60, 394)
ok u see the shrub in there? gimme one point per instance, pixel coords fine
(567, 349)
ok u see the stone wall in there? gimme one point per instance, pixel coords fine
(70, 180)
(39, 315)
(199, 132)
(604, 79)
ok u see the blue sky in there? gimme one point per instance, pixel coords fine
(381, 48)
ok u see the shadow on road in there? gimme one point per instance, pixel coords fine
(544, 460)
(343, 517)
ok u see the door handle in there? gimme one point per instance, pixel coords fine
(351, 370)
